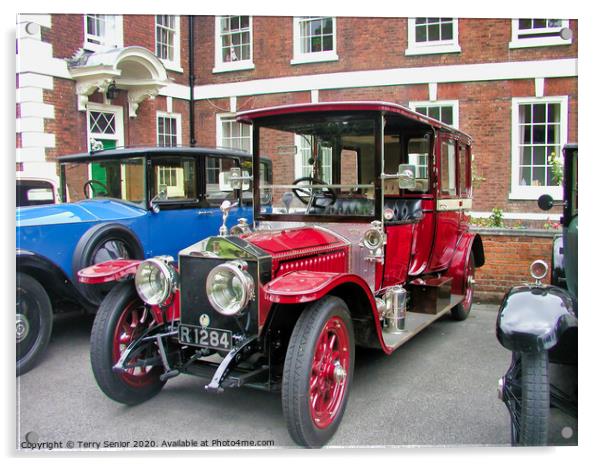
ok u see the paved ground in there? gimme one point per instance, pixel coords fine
(438, 389)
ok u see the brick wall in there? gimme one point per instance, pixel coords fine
(508, 255)
(366, 44)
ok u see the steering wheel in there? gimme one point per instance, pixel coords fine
(89, 190)
(307, 195)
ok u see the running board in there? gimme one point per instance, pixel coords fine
(416, 322)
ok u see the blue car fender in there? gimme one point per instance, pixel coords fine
(534, 318)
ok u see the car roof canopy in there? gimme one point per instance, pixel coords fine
(386, 108)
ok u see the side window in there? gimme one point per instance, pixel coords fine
(464, 172)
(213, 167)
(448, 168)
(174, 180)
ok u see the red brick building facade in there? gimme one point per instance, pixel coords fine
(147, 80)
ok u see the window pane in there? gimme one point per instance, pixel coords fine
(539, 113)
(539, 23)
(539, 134)
(539, 176)
(539, 155)
(526, 155)
(525, 176)
(433, 32)
(526, 132)
(421, 34)
(447, 31)
(447, 115)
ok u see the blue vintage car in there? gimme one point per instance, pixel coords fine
(127, 203)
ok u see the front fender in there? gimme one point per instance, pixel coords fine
(534, 318)
(109, 271)
(305, 286)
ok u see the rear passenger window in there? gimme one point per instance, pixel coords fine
(448, 168)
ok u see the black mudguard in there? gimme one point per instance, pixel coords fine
(58, 286)
(534, 318)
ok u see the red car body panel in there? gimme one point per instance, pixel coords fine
(109, 271)
(398, 253)
(115, 270)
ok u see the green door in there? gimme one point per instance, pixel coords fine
(99, 172)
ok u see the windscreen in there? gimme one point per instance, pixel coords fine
(322, 166)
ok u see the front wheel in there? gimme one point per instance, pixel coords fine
(121, 319)
(527, 395)
(318, 371)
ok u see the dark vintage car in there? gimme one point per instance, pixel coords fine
(538, 323)
(366, 242)
(127, 203)
(35, 191)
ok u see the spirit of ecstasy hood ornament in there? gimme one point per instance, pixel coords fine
(225, 207)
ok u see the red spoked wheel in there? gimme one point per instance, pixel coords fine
(461, 310)
(121, 319)
(133, 322)
(328, 382)
(318, 371)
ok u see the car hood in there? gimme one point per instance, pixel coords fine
(92, 210)
(295, 241)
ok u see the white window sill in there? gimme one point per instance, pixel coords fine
(531, 193)
(233, 66)
(99, 47)
(432, 49)
(538, 42)
(314, 58)
(172, 66)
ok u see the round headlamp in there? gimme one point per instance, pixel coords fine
(539, 269)
(374, 238)
(230, 287)
(155, 280)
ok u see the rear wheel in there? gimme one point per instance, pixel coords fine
(318, 371)
(121, 319)
(461, 310)
(34, 322)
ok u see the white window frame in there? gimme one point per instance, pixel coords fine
(178, 118)
(113, 37)
(219, 133)
(426, 48)
(312, 57)
(455, 104)
(118, 136)
(172, 65)
(517, 42)
(518, 191)
(239, 65)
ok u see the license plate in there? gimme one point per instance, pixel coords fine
(206, 337)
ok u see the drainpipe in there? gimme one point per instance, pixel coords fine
(191, 79)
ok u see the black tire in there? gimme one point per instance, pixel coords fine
(461, 310)
(101, 243)
(128, 388)
(329, 314)
(535, 409)
(34, 322)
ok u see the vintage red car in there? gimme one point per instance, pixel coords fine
(365, 242)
